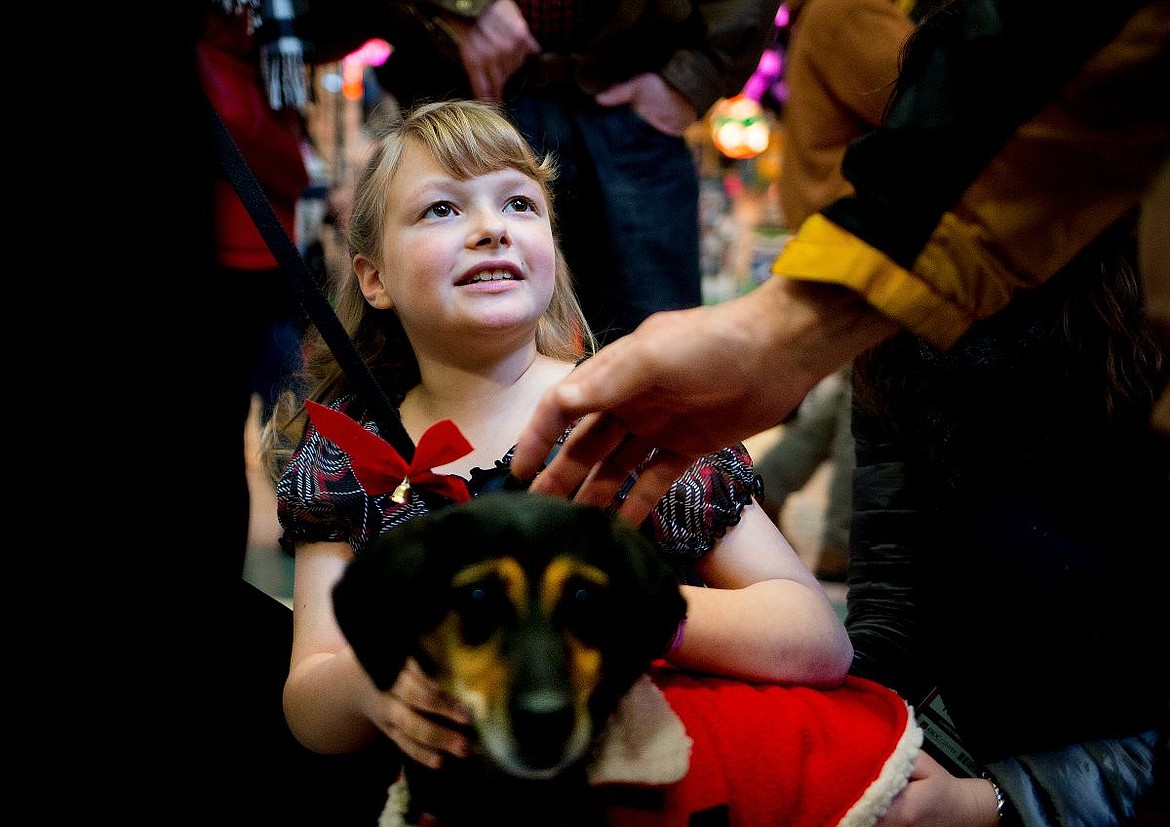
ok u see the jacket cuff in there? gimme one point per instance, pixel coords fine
(823, 252)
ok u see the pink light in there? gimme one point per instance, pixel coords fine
(769, 63)
(766, 74)
(782, 15)
(373, 52)
(754, 88)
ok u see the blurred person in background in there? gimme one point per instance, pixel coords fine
(250, 61)
(840, 67)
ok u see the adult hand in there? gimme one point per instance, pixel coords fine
(493, 47)
(656, 102)
(425, 722)
(935, 798)
(689, 382)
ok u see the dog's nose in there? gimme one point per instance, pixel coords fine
(541, 709)
(542, 722)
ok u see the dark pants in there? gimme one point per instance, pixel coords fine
(820, 432)
(627, 204)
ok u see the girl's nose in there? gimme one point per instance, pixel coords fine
(492, 237)
(491, 230)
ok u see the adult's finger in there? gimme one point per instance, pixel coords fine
(594, 385)
(594, 437)
(482, 86)
(613, 470)
(654, 479)
(545, 426)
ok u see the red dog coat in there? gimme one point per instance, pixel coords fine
(725, 752)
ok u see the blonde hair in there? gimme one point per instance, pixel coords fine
(468, 139)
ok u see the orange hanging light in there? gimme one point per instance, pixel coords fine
(739, 127)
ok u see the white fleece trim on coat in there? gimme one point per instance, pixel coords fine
(893, 778)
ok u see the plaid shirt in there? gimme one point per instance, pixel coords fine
(559, 25)
(319, 498)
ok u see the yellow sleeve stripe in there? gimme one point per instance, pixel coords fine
(823, 252)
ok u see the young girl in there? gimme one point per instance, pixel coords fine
(460, 302)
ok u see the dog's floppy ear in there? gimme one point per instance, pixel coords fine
(388, 596)
(648, 604)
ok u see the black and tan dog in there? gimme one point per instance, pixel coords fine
(539, 615)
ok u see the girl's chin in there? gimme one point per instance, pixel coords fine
(505, 323)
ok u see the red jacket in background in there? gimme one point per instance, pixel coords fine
(269, 140)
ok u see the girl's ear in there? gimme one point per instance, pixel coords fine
(370, 281)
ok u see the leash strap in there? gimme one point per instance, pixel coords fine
(308, 291)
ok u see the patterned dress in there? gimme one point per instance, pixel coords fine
(320, 499)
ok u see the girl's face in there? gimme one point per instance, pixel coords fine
(461, 258)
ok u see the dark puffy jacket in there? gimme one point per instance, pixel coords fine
(1004, 547)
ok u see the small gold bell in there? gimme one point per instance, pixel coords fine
(401, 492)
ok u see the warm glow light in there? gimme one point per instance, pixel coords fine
(739, 128)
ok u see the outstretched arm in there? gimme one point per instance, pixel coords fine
(689, 382)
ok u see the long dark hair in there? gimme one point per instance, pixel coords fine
(1100, 318)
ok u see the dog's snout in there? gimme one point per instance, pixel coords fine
(542, 710)
(542, 722)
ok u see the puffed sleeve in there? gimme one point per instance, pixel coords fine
(319, 499)
(704, 502)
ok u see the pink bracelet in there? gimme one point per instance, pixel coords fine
(676, 644)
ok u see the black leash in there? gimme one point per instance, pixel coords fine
(309, 292)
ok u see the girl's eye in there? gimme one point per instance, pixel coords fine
(522, 204)
(440, 210)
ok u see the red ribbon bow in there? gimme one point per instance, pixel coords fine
(379, 468)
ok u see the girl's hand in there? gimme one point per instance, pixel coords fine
(426, 723)
(935, 798)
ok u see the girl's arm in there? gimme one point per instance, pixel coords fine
(763, 616)
(327, 695)
(331, 704)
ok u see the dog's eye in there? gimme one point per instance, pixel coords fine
(584, 609)
(482, 606)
